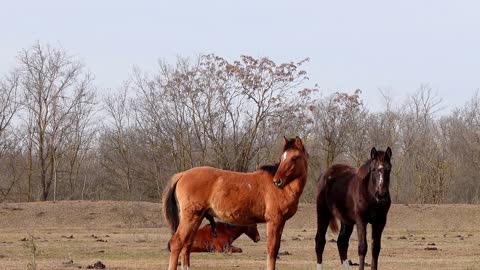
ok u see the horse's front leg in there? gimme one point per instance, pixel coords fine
(377, 229)
(362, 243)
(274, 235)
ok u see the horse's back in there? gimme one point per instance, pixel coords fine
(203, 178)
(196, 183)
(231, 196)
(334, 186)
(337, 174)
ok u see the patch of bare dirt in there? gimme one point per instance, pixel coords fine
(132, 235)
(123, 214)
(451, 217)
(80, 214)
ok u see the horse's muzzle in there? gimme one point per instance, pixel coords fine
(278, 183)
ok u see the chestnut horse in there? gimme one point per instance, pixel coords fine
(269, 195)
(355, 196)
(226, 234)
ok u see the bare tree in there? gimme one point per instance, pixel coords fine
(420, 145)
(9, 99)
(336, 119)
(117, 150)
(9, 106)
(53, 84)
(462, 139)
(79, 132)
(212, 105)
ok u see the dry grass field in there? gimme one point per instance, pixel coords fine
(132, 235)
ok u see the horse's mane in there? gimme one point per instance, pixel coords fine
(364, 170)
(272, 169)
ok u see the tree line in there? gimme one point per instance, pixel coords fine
(62, 139)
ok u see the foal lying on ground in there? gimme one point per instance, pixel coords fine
(226, 234)
(204, 241)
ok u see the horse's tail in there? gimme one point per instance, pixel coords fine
(334, 225)
(169, 202)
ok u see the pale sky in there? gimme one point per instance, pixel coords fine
(367, 45)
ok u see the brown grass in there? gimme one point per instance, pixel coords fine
(136, 238)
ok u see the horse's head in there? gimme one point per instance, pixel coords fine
(293, 162)
(380, 167)
(252, 233)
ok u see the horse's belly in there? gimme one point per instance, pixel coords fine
(343, 214)
(237, 203)
(237, 214)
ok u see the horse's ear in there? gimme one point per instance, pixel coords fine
(373, 153)
(388, 154)
(285, 140)
(298, 143)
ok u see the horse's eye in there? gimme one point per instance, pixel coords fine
(294, 158)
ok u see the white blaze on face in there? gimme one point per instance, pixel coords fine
(380, 180)
(284, 156)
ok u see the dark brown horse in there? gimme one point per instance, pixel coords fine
(355, 196)
(225, 235)
(269, 195)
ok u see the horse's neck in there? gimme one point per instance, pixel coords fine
(299, 184)
(364, 171)
(295, 188)
(235, 232)
(365, 187)
(363, 176)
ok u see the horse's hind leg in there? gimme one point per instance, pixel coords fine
(175, 246)
(342, 243)
(186, 256)
(188, 244)
(323, 219)
(182, 240)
